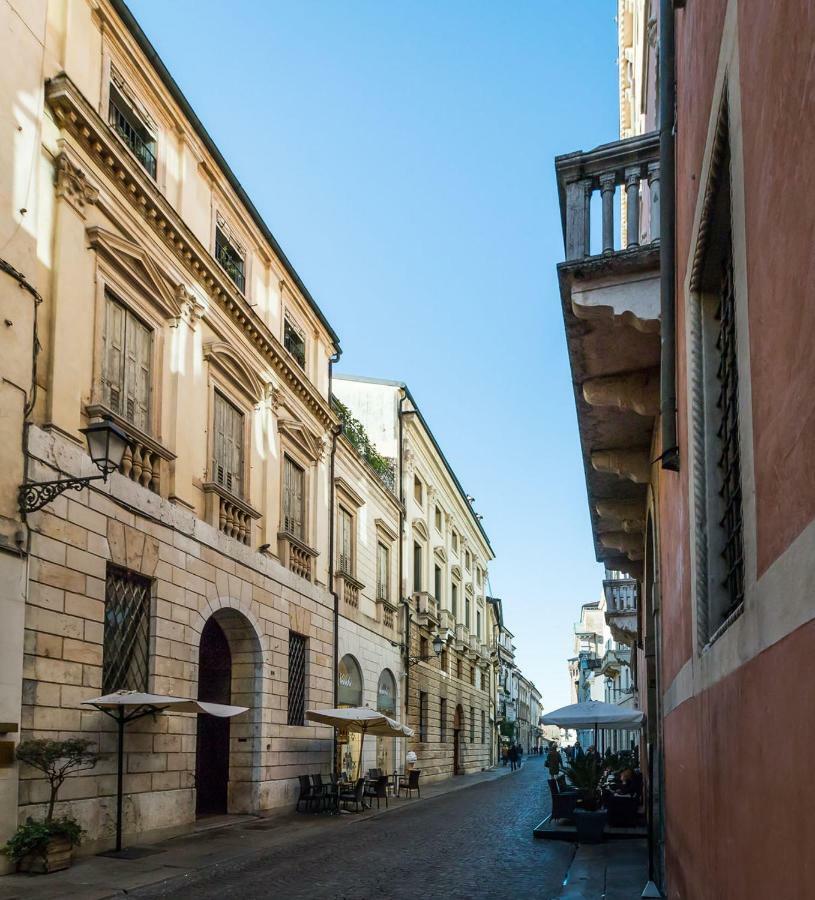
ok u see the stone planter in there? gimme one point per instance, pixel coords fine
(590, 825)
(58, 855)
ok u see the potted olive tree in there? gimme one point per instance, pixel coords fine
(590, 820)
(47, 846)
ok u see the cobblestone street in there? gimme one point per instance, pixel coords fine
(475, 842)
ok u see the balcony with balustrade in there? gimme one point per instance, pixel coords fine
(609, 286)
(622, 595)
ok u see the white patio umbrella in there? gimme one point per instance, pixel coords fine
(362, 720)
(595, 714)
(125, 706)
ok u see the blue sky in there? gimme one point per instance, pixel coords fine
(402, 154)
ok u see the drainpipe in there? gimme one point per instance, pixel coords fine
(667, 233)
(335, 433)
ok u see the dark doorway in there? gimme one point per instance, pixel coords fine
(212, 746)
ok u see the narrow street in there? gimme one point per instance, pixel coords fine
(471, 843)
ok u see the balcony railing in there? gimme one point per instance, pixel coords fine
(120, 120)
(622, 595)
(632, 165)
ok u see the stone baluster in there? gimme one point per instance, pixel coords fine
(632, 189)
(653, 187)
(608, 184)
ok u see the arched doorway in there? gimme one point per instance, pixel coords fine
(386, 703)
(458, 726)
(227, 759)
(212, 744)
(349, 693)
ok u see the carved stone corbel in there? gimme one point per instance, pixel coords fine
(634, 464)
(636, 391)
(192, 309)
(72, 184)
(630, 544)
(621, 515)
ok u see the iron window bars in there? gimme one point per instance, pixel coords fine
(297, 679)
(729, 462)
(126, 642)
(295, 343)
(230, 259)
(128, 125)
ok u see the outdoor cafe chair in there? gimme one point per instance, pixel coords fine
(307, 794)
(563, 801)
(412, 783)
(357, 796)
(378, 789)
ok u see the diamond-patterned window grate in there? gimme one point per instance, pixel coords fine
(125, 661)
(297, 679)
(729, 462)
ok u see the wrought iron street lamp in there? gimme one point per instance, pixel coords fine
(438, 646)
(106, 446)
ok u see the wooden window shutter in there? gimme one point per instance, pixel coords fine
(113, 342)
(293, 480)
(227, 464)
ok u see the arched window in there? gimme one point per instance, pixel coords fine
(349, 688)
(386, 693)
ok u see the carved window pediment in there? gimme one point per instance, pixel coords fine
(138, 266)
(234, 366)
(345, 489)
(419, 528)
(440, 554)
(309, 443)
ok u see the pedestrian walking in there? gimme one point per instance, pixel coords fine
(513, 757)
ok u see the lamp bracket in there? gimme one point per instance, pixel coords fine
(35, 494)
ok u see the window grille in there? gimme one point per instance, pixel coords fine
(729, 462)
(472, 724)
(422, 716)
(227, 462)
(128, 124)
(382, 572)
(126, 640)
(293, 498)
(483, 728)
(295, 343)
(346, 545)
(126, 364)
(297, 679)
(230, 259)
(442, 720)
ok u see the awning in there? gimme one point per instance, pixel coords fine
(361, 719)
(134, 700)
(595, 714)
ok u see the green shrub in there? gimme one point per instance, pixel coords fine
(33, 837)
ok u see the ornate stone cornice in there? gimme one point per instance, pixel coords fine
(75, 115)
(72, 184)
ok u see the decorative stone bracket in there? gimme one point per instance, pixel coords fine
(636, 391)
(634, 464)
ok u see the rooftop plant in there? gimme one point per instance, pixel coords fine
(354, 430)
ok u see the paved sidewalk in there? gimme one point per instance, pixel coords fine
(616, 870)
(99, 877)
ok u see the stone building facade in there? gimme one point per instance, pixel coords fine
(163, 304)
(444, 559)
(370, 668)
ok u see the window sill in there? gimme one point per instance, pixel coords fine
(100, 410)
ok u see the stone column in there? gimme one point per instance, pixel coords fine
(608, 184)
(632, 189)
(653, 187)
